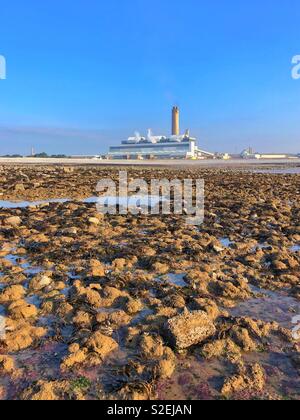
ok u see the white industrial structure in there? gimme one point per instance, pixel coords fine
(176, 146)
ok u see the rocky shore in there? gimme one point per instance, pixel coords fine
(148, 307)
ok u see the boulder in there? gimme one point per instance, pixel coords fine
(39, 282)
(22, 310)
(13, 221)
(188, 329)
(12, 293)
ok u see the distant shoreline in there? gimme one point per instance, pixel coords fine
(151, 163)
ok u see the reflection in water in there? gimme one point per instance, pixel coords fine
(174, 279)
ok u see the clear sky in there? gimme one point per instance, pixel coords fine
(82, 75)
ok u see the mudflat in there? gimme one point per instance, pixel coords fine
(145, 306)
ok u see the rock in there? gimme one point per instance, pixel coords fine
(161, 268)
(189, 329)
(248, 378)
(151, 347)
(13, 221)
(101, 344)
(47, 307)
(119, 264)
(3, 393)
(231, 290)
(19, 187)
(279, 265)
(75, 358)
(94, 221)
(82, 319)
(242, 338)
(218, 248)
(115, 319)
(221, 348)
(46, 391)
(12, 293)
(175, 301)
(133, 306)
(119, 319)
(208, 306)
(6, 264)
(7, 364)
(92, 297)
(64, 309)
(22, 310)
(112, 295)
(198, 277)
(166, 368)
(148, 251)
(97, 269)
(39, 282)
(21, 335)
(74, 348)
(68, 170)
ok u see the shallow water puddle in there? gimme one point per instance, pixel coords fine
(173, 279)
(65, 291)
(281, 375)
(194, 379)
(130, 201)
(295, 248)
(46, 358)
(24, 204)
(141, 316)
(20, 261)
(226, 242)
(285, 171)
(271, 306)
(34, 300)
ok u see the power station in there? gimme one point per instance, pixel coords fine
(175, 146)
(175, 121)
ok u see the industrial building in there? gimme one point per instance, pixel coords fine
(175, 146)
(251, 154)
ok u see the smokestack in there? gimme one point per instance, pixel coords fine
(175, 121)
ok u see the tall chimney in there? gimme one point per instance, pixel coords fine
(175, 121)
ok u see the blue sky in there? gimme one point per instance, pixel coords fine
(82, 75)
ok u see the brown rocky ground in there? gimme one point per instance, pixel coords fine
(136, 307)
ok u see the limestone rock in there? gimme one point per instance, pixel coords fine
(189, 329)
